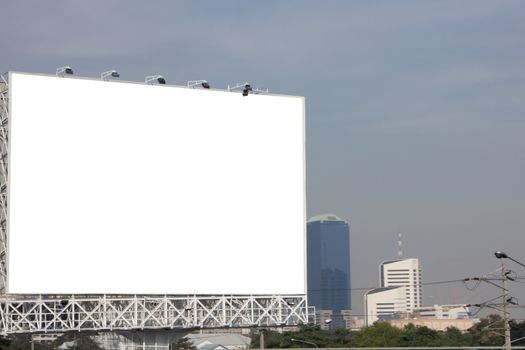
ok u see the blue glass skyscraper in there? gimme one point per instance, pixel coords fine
(328, 263)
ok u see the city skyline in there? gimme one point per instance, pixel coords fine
(414, 109)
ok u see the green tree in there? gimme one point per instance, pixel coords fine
(86, 343)
(307, 333)
(4, 343)
(420, 336)
(380, 334)
(23, 342)
(341, 338)
(182, 344)
(454, 337)
(517, 331)
(488, 331)
(83, 341)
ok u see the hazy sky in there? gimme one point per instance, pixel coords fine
(415, 109)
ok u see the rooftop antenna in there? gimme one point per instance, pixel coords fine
(399, 246)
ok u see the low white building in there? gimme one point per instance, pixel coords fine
(436, 324)
(444, 312)
(384, 303)
(437, 317)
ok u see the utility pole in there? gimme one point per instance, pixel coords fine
(505, 277)
(261, 339)
(505, 306)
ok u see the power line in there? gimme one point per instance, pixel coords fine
(369, 288)
(423, 284)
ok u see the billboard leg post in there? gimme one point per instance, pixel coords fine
(261, 338)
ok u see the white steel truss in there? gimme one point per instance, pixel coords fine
(52, 314)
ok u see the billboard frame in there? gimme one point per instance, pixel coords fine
(46, 313)
(4, 183)
(15, 244)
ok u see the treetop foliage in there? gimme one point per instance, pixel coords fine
(487, 332)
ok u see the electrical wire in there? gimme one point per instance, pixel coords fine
(370, 288)
(423, 284)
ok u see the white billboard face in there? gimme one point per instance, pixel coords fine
(140, 189)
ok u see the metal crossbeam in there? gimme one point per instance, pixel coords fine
(57, 314)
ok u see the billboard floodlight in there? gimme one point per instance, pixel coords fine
(246, 88)
(62, 71)
(152, 79)
(109, 74)
(196, 83)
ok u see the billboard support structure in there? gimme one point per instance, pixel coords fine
(4, 120)
(57, 314)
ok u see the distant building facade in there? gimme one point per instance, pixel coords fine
(400, 291)
(405, 273)
(399, 300)
(439, 317)
(325, 319)
(436, 324)
(328, 319)
(383, 304)
(328, 263)
(352, 323)
(444, 312)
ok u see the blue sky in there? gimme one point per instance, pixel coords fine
(415, 109)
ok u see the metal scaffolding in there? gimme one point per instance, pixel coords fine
(33, 314)
(52, 314)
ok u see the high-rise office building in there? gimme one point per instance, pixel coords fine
(400, 290)
(407, 273)
(328, 263)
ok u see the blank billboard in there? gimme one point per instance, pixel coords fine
(126, 188)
